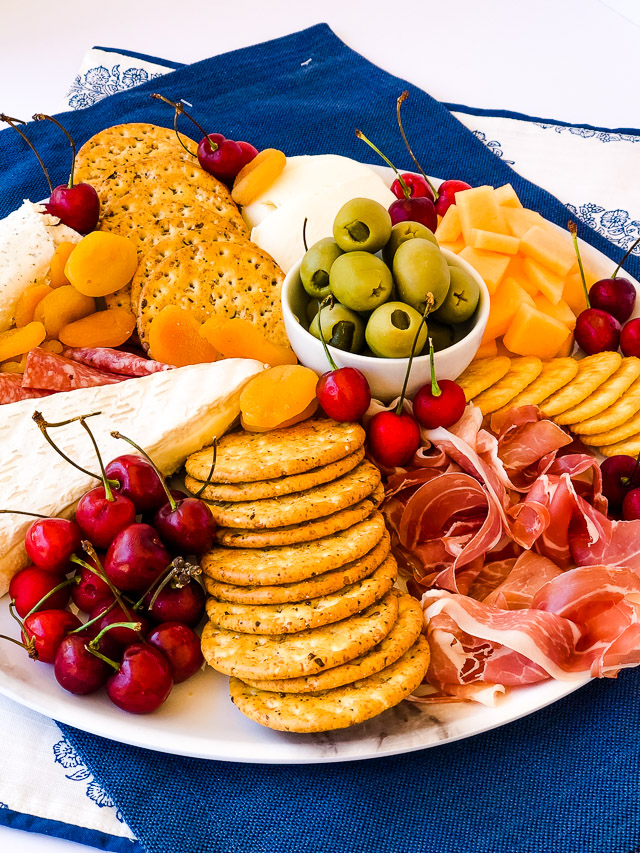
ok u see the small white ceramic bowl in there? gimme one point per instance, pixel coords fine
(385, 375)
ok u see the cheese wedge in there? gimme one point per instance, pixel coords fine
(170, 414)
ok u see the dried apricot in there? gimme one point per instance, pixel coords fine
(174, 338)
(61, 307)
(14, 366)
(101, 263)
(108, 328)
(237, 338)
(19, 341)
(28, 302)
(307, 413)
(258, 175)
(52, 346)
(58, 263)
(277, 396)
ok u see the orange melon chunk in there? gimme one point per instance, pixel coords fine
(543, 279)
(487, 350)
(506, 196)
(567, 348)
(449, 228)
(519, 220)
(516, 270)
(533, 333)
(490, 265)
(573, 293)
(494, 242)
(505, 303)
(456, 246)
(551, 249)
(478, 208)
(560, 310)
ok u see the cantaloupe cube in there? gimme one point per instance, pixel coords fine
(573, 293)
(488, 350)
(478, 208)
(506, 196)
(516, 270)
(543, 279)
(502, 350)
(491, 242)
(519, 220)
(590, 275)
(533, 333)
(566, 348)
(449, 228)
(490, 265)
(560, 310)
(553, 250)
(505, 302)
(456, 247)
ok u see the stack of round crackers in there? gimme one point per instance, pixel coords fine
(302, 611)
(193, 244)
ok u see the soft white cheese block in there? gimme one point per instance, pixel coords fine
(170, 414)
(303, 175)
(28, 239)
(280, 234)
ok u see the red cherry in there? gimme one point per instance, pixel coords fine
(616, 296)
(414, 210)
(222, 158)
(101, 519)
(77, 206)
(143, 681)
(178, 604)
(441, 410)
(188, 526)
(393, 438)
(344, 394)
(90, 589)
(117, 639)
(597, 331)
(447, 195)
(76, 669)
(180, 646)
(50, 542)
(631, 505)
(136, 558)
(248, 152)
(30, 585)
(137, 481)
(630, 338)
(49, 628)
(416, 184)
(619, 475)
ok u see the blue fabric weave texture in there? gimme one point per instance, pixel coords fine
(564, 780)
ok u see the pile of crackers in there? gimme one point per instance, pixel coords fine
(193, 245)
(597, 398)
(303, 614)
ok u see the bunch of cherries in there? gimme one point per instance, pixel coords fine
(621, 486)
(119, 562)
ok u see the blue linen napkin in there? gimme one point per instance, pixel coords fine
(563, 780)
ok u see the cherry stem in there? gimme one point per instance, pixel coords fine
(21, 512)
(573, 229)
(135, 626)
(95, 619)
(22, 646)
(405, 188)
(328, 300)
(178, 135)
(179, 108)
(435, 388)
(304, 233)
(171, 499)
(428, 309)
(10, 121)
(625, 256)
(43, 117)
(105, 479)
(207, 482)
(403, 97)
(44, 426)
(98, 654)
(47, 595)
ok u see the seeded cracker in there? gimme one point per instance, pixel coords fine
(305, 653)
(521, 374)
(401, 637)
(339, 708)
(482, 374)
(592, 372)
(605, 396)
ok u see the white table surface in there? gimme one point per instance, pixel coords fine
(574, 60)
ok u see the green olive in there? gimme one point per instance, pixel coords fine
(337, 315)
(392, 329)
(442, 336)
(461, 300)
(312, 309)
(419, 268)
(360, 281)
(315, 267)
(362, 224)
(400, 233)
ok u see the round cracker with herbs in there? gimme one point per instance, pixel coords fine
(249, 456)
(223, 280)
(338, 708)
(402, 636)
(234, 537)
(292, 563)
(305, 653)
(299, 616)
(299, 507)
(259, 490)
(314, 587)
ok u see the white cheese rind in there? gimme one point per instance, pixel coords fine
(170, 414)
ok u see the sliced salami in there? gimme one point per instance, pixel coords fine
(115, 361)
(50, 372)
(11, 390)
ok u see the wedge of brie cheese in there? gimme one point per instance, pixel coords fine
(170, 414)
